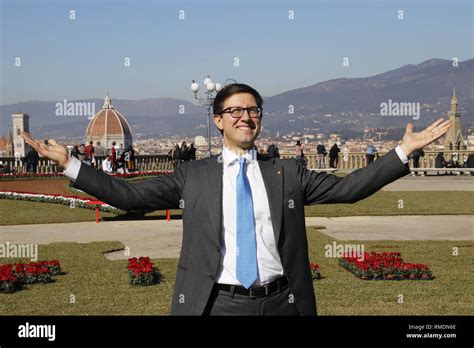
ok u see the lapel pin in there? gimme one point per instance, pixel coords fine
(279, 172)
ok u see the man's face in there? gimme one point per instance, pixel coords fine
(239, 133)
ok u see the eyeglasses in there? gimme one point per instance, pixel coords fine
(237, 111)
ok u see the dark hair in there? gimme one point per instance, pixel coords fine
(228, 91)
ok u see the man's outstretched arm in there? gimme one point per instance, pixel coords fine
(163, 192)
(320, 188)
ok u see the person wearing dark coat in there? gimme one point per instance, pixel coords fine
(273, 151)
(334, 156)
(192, 152)
(440, 162)
(470, 162)
(177, 156)
(32, 161)
(416, 158)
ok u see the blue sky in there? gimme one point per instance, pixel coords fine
(84, 58)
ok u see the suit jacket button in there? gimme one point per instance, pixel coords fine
(211, 277)
(218, 249)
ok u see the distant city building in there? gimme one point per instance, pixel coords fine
(335, 137)
(200, 141)
(6, 145)
(107, 126)
(453, 139)
(470, 140)
(21, 122)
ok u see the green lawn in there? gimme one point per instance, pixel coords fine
(101, 287)
(414, 203)
(381, 203)
(13, 212)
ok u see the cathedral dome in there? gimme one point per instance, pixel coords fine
(109, 125)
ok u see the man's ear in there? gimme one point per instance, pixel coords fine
(218, 122)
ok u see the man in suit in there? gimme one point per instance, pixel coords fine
(244, 250)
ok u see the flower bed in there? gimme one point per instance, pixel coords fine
(76, 201)
(142, 272)
(384, 266)
(315, 271)
(13, 276)
(8, 281)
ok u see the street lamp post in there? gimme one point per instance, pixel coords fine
(207, 101)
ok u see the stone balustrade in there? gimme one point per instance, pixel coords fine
(347, 161)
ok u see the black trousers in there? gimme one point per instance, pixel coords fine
(226, 303)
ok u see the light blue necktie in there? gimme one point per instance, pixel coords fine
(246, 243)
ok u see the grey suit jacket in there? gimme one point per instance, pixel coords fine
(198, 185)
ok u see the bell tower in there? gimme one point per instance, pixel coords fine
(453, 139)
(20, 123)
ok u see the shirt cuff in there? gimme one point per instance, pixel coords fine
(72, 170)
(401, 154)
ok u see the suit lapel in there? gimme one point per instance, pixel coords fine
(211, 179)
(273, 178)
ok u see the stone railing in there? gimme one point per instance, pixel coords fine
(347, 161)
(147, 162)
(355, 160)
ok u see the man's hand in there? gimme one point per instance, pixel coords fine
(52, 150)
(414, 141)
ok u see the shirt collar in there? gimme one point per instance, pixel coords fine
(230, 157)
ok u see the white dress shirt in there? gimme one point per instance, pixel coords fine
(268, 259)
(107, 166)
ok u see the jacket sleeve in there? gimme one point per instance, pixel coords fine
(160, 193)
(323, 188)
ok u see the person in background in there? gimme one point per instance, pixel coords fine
(184, 152)
(128, 156)
(122, 164)
(113, 156)
(177, 156)
(192, 152)
(469, 162)
(334, 156)
(299, 153)
(321, 151)
(440, 162)
(273, 151)
(107, 165)
(82, 154)
(416, 155)
(32, 161)
(75, 152)
(90, 153)
(370, 153)
(132, 158)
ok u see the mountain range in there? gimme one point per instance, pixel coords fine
(343, 105)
